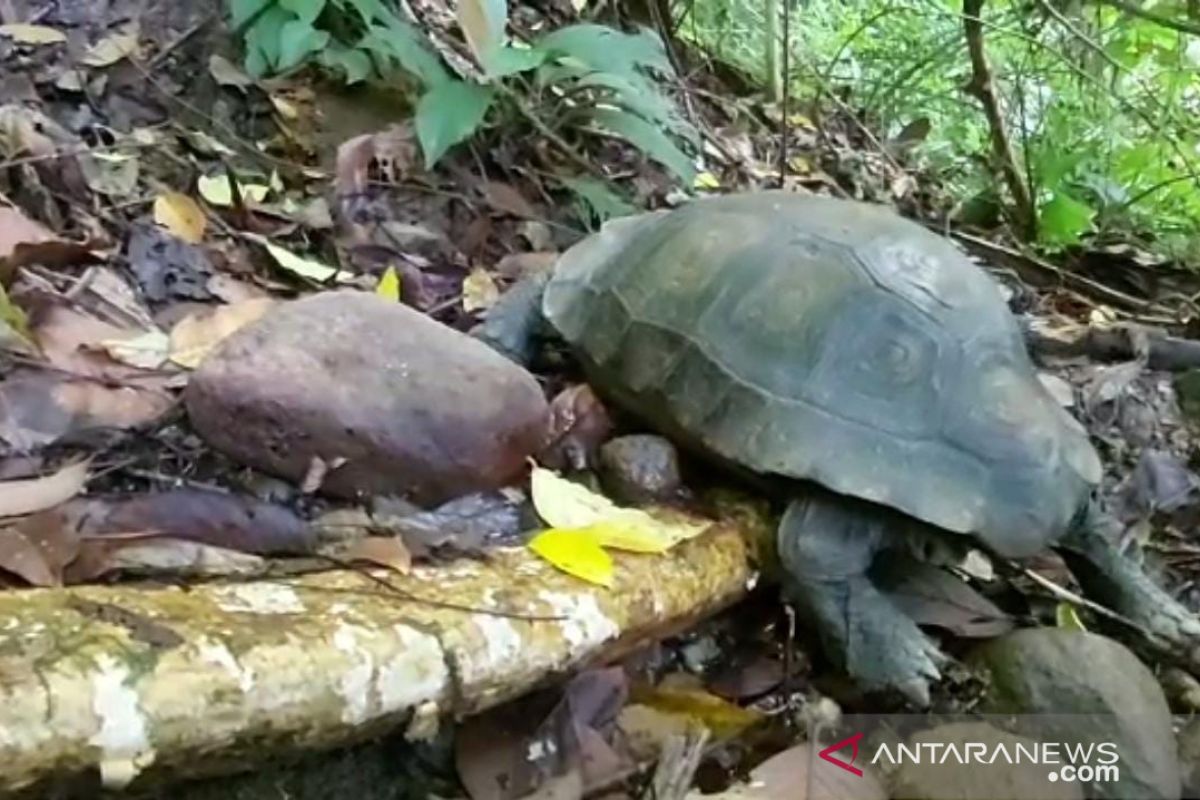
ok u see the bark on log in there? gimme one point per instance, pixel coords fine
(130, 682)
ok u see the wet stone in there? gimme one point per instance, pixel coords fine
(1089, 689)
(394, 402)
(640, 469)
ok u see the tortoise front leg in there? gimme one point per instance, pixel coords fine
(1117, 582)
(827, 544)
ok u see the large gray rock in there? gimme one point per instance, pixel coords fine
(950, 779)
(415, 408)
(1073, 686)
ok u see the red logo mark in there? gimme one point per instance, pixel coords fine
(837, 762)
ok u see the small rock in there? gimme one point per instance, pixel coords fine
(949, 779)
(639, 469)
(1059, 673)
(415, 408)
(1189, 757)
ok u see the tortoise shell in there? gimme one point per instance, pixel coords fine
(831, 341)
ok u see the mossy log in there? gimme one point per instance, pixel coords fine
(131, 685)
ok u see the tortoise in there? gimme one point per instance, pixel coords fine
(867, 365)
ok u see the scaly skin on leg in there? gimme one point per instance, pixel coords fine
(826, 545)
(1115, 581)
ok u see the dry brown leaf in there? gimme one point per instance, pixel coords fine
(112, 48)
(479, 290)
(23, 558)
(23, 33)
(503, 197)
(166, 556)
(382, 551)
(194, 336)
(17, 229)
(226, 73)
(180, 215)
(522, 265)
(18, 498)
(146, 350)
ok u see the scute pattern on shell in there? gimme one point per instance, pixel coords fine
(832, 341)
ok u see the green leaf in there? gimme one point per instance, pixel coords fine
(596, 203)
(400, 41)
(509, 60)
(242, 11)
(306, 10)
(649, 139)
(449, 113)
(607, 50)
(482, 23)
(1064, 219)
(297, 41)
(355, 64)
(641, 97)
(262, 41)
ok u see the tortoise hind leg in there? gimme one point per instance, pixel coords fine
(1115, 581)
(827, 544)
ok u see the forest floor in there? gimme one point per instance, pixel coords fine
(156, 199)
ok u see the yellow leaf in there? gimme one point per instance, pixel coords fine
(1067, 618)
(575, 554)
(32, 34)
(479, 290)
(389, 286)
(194, 336)
(568, 506)
(111, 49)
(216, 191)
(304, 267)
(147, 350)
(724, 719)
(706, 180)
(180, 215)
(633, 535)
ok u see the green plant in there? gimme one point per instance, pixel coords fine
(1102, 104)
(587, 79)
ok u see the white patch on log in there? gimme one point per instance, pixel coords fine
(258, 598)
(218, 654)
(501, 639)
(416, 675)
(355, 681)
(124, 747)
(585, 624)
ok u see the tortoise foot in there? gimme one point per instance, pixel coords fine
(879, 647)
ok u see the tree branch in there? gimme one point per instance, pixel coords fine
(1183, 26)
(981, 88)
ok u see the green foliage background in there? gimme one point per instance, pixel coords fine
(1102, 105)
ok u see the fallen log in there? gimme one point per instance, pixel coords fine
(1122, 343)
(132, 686)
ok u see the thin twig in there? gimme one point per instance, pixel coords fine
(982, 88)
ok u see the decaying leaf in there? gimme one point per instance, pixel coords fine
(534, 743)
(722, 718)
(38, 548)
(225, 73)
(113, 174)
(464, 525)
(933, 596)
(162, 556)
(194, 336)
(195, 515)
(23, 33)
(1067, 618)
(147, 350)
(575, 553)
(503, 197)
(579, 425)
(180, 215)
(381, 551)
(797, 774)
(479, 290)
(112, 48)
(37, 494)
(304, 267)
(217, 191)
